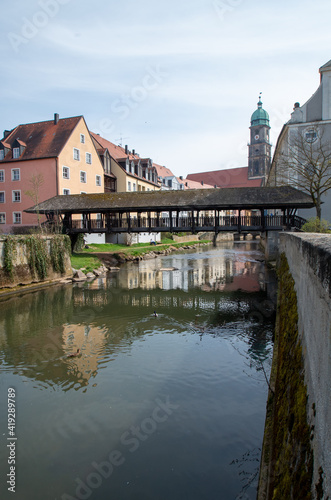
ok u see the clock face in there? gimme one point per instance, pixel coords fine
(257, 137)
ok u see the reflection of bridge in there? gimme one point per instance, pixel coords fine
(196, 210)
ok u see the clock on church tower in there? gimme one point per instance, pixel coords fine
(259, 148)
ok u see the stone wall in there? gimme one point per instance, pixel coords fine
(33, 259)
(296, 457)
(309, 259)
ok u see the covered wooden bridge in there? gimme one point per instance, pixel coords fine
(257, 210)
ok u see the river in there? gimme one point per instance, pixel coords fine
(155, 407)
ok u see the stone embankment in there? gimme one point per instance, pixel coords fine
(296, 457)
(26, 259)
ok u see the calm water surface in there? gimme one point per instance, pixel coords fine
(155, 408)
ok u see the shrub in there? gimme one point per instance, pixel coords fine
(315, 225)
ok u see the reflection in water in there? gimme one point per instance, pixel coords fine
(215, 313)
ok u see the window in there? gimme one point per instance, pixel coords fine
(17, 218)
(76, 154)
(16, 196)
(311, 135)
(2, 197)
(134, 186)
(129, 186)
(2, 176)
(15, 174)
(98, 180)
(66, 191)
(16, 152)
(82, 176)
(66, 172)
(2, 218)
(2, 154)
(88, 158)
(82, 138)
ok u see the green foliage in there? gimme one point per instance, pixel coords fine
(316, 225)
(39, 259)
(60, 246)
(79, 244)
(9, 254)
(38, 256)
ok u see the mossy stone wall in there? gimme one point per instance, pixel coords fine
(33, 258)
(297, 446)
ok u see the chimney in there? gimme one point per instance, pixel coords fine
(56, 118)
(6, 133)
(296, 105)
(133, 151)
(126, 149)
(181, 177)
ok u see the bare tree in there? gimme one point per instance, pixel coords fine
(36, 181)
(306, 165)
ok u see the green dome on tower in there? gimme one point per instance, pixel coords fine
(260, 116)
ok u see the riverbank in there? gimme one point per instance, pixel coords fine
(91, 263)
(96, 255)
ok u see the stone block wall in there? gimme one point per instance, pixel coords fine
(52, 252)
(309, 260)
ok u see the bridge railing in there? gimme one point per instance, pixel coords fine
(188, 223)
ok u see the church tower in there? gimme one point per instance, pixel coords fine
(259, 149)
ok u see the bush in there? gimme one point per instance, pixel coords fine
(315, 225)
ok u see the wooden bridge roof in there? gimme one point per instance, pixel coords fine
(199, 199)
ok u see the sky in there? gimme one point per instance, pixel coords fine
(175, 80)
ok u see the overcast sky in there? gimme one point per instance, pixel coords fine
(176, 81)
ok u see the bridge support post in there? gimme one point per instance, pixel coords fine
(270, 243)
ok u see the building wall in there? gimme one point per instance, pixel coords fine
(316, 113)
(123, 178)
(27, 169)
(66, 159)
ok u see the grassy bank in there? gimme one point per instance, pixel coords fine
(86, 260)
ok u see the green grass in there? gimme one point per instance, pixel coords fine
(111, 247)
(88, 262)
(82, 261)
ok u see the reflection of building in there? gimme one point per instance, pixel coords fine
(91, 341)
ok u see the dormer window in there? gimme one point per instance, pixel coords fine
(18, 148)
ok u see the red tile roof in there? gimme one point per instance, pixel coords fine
(233, 177)
(163, 171)
(42, 139)
(117, 152)
(119, 155)
(192, 184)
